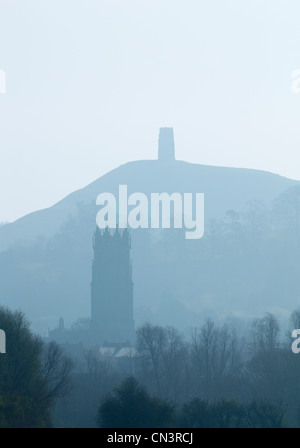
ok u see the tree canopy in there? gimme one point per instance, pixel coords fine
(130, 406)
(32, 374)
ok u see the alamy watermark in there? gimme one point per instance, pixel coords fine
(2, 81)
(296, 342)
(2, 342)
(134, 211)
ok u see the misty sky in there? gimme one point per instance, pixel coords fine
(89, 83)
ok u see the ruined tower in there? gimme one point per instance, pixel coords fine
(166, 145)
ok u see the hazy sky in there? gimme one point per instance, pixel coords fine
(89, 83)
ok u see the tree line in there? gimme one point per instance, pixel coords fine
(192, 380)
(213, 377)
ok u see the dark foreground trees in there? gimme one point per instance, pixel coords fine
(32, 374)
(130, 406)
(231, 414)
(218, 377)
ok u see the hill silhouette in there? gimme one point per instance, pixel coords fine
(224, 189)
(45, 258)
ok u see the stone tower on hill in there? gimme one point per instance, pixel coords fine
(166, 146)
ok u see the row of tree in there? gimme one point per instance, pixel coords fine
(215, 378)
(215, 365)
(131, 406)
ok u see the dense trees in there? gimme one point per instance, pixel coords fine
(231, 414)
(162, 357)
(130, 406)
(210, 378)
(32, 374)
(213, 377)
(215, 358)
(95, 377)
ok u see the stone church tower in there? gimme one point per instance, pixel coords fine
(112, 288)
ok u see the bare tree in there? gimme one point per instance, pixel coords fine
(175, 365)
(265, 333)
(151, 341)
(204, 347)
(57, 368)
(215, 355)
(295, 319)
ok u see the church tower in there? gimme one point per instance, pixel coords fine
(112, 288)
